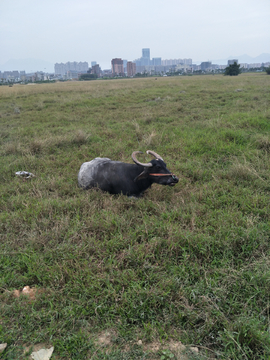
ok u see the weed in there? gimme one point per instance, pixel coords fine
(263, 142)
(11, 148)
(35, 146)
(166, 355)
(80, 137)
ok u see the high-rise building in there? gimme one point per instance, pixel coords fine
(59, 69)
(146, 53)
(93, 63)
(137, 62)
(145, 59)
(206, 65)
(231, 62)
(96, 70)
(117, 67)
(156, 61)
(187, 61)
(176, 62)
(131, 68)
(62, 69)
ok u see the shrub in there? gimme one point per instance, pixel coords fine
(233, 70)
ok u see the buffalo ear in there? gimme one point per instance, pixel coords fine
(142, 175)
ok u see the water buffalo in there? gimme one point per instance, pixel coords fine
(117, 177)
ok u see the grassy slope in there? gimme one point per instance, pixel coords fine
(189, 263)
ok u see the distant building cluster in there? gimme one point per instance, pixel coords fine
(145, 59)
(145, 63)
(207, 66)
(121, 67)
(176, 62)
(12, 75)
(77, 67)
(21, 76)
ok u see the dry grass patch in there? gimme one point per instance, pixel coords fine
(80, 137)
(243, 170)
(11, 148)
(45, 145)
(263, 142)
(150, 139)
(36, 146)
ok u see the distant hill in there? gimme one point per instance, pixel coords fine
(29, 65)
(265, 57)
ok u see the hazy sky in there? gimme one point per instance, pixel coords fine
(99, 30)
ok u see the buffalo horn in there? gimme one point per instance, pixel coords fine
(154, 154)
(137, 162)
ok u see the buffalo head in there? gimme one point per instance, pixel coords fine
(156, 170)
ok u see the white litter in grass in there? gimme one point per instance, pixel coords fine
(25, 174)
(43, 354)
(2, 347)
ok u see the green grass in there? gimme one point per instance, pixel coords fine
(186, 264)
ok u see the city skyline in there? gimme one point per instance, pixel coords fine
(20, 65)
(119, 67)
(65, 30)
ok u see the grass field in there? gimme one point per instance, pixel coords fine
(123, 278)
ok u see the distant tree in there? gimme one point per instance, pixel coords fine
(268, 70)
(144, 74)
(232, 70)
(88, 77)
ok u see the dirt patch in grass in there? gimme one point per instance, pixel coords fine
(105, 338)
